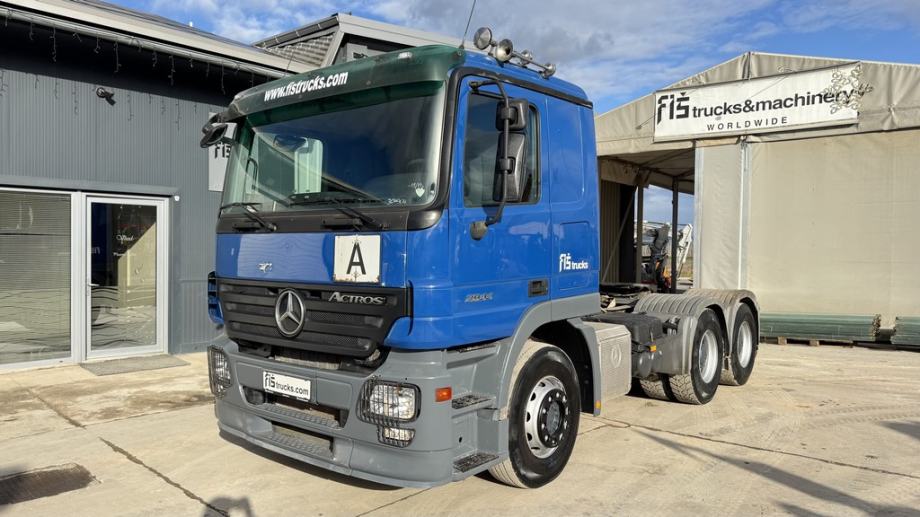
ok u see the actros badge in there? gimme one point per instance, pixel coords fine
(357, 259)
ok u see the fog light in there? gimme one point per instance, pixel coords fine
(385, 402)
(396, 436)
(218, 372)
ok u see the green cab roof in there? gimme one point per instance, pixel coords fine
(419, 64)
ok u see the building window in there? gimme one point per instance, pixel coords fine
(34, 276)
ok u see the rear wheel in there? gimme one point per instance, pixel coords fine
(699, 386)
(745, 336)
(656, 386)
(543, 417)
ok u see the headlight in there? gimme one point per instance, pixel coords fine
(218, 372)
(386, 403)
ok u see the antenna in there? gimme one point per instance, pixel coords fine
(467, 29)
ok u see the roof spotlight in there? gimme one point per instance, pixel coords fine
(504, 51)
(483, 38)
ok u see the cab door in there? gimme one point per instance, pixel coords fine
(498, 277)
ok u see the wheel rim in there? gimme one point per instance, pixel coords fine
(708, 356)
(546, 416)
(745, 344)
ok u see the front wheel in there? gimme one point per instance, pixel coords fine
(543, 417)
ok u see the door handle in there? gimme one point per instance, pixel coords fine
(537, 287)
(92, 285)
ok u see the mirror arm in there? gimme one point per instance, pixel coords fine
(506, 159)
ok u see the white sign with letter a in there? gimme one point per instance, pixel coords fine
(357, 259)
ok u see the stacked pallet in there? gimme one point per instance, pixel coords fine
(846, 328)
(906, 331)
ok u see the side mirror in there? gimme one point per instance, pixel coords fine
(510, 173)
(213, 134)
(214, 131)
(516, 114)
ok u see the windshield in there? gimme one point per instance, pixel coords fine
(373, 148)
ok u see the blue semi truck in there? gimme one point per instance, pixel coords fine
(407, 274)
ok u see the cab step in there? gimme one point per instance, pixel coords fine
(471, 461)
(472, 401)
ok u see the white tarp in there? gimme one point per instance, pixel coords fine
(816, 98)
(833, 225)
(717, 252)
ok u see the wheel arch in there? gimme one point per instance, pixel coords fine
(552, 318)
(579, 343)
(688, 307)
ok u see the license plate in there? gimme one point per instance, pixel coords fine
(286, 385)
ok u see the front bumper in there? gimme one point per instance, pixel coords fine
(347, 444)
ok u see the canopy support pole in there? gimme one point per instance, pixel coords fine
(640, 209)
(674, 200)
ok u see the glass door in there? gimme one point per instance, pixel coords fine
(126, 260)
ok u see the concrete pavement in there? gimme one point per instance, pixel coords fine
(817, 431)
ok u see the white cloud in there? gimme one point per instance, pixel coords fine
(612, 49)
(608, 48)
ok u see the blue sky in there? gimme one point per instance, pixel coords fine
(616, 50)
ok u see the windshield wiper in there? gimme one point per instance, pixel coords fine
(341, 206)
(353, 212)
(239, 203)
(249, 210)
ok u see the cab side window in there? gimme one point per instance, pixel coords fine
(480, 146)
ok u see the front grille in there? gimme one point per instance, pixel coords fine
(349, 329)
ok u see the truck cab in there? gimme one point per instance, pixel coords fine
(407, 248)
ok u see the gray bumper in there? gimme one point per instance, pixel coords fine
(350, 445)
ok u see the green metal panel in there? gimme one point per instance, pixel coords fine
(907, 331)
(843, 327)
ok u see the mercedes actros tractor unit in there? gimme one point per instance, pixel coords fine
(407, 274)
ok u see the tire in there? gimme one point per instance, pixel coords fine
(699, 386)
(656, 386)
(745, 340)
(544, 396)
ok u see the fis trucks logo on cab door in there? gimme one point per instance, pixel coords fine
(567, 264)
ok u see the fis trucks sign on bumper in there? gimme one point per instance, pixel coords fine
(825, 97)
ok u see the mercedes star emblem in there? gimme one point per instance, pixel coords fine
(289, 313)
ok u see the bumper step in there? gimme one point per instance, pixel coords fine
(303, 442)
(469, 462)
(297, 415)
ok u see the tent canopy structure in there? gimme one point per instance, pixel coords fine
(626, 148)
(816, 220)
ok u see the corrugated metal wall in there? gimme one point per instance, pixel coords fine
(55, 131)
(59, 129)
